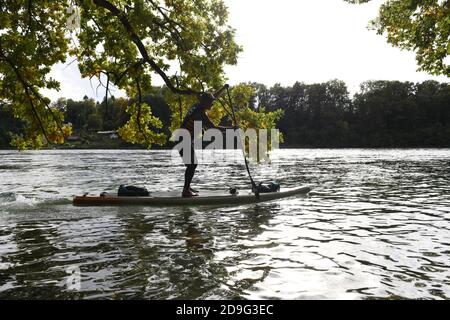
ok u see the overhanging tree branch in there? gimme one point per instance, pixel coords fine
(137, 41)
(171, 21)
(137, 64)
(29, 88)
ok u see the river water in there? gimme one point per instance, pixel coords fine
(376, 225)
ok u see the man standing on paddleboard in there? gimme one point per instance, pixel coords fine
(197, 113)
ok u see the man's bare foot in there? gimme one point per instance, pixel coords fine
(188, 194)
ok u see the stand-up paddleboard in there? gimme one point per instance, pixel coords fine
(174, 198)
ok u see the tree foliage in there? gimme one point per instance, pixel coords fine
(419, 25)
(253, 115)
(32, 39)
(381, 114)
(125, 43)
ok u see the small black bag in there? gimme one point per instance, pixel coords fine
(268, 187)
(132, 191)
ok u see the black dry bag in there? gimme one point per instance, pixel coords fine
(132, 191)
(268, 187)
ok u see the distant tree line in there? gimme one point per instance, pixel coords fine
(382, 114)
(88, 116)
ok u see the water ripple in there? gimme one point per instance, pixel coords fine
(375, 226)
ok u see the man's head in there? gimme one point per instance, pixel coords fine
(206, 100)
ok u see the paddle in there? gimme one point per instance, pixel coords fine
(219, 92)
(254, 187)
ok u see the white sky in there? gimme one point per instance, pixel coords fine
(295, 40)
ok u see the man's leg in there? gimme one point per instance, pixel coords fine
(189, 174)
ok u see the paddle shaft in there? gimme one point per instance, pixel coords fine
(243, 147)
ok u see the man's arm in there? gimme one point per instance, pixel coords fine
(206, 121)
(210, 125)
(226, 127)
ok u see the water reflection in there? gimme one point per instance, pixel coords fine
(375, 226)
(30, 272)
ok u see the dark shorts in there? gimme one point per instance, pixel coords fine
(190, 159)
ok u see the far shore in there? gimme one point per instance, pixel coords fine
(154, 148)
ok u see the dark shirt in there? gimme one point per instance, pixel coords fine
(196, 113)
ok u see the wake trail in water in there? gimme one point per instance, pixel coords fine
(13, 200)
